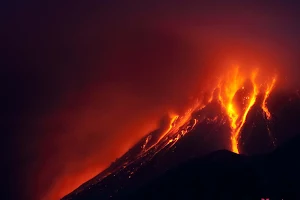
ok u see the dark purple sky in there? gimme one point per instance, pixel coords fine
(82, 81)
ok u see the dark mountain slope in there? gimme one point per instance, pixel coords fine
(224, 175)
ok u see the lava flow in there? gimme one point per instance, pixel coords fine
(236, 92)
(237, 108)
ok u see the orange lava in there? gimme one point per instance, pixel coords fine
(230, 85)
(268, 90)
(237, 91)
(173, 119)
(237, 110)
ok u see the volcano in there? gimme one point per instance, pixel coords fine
(231, 144)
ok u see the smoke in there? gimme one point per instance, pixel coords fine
(88, 82)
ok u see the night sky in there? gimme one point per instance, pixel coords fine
(82, 81)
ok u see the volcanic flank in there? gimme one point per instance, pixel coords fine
(230, 116)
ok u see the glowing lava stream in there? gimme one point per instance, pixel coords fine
(228, 90)
(229, 87)
(267, 93)
(265, 108)
(237, 93)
